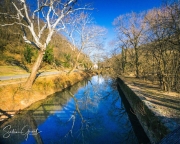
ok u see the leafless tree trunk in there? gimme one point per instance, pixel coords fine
(164, 28)
(52, 13)
(130, 28)
(85, 35)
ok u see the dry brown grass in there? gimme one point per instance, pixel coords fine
(14, 97)
(11, 70)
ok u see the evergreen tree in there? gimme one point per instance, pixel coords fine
(28, 54)
(48, 56)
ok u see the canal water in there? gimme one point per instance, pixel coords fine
(90, 112)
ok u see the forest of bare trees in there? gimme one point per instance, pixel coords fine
(149, 45)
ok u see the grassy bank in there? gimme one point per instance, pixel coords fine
(14, 98)
(11, 70)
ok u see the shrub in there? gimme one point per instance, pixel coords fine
(48, 56)
(28, 54)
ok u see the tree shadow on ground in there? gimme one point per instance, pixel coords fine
(15, 62)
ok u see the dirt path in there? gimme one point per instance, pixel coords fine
(16, 79)
(20, 76)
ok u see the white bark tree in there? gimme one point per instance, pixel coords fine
(43, 19)
(86, 37)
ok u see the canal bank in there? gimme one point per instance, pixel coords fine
(138, 129)
(152, 116)
(13, 98)
(91, 111)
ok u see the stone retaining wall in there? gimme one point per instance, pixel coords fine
(151, 124)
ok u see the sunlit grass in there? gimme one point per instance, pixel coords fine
(14, 97)
(11, 70)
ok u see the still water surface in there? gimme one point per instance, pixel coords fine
(90, 112)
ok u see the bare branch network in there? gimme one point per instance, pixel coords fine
(38, 22)
(51, 12)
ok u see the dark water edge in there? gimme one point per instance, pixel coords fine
(91, 111)
(139, 131)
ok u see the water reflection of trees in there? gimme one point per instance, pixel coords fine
(36, 115)
(82, 120)
(21, 123)
(118, 113)
(87, 124)
(89, 102)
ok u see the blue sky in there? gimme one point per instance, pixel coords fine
(105, 11)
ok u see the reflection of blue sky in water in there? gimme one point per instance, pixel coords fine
(98, 79)
(94, 115)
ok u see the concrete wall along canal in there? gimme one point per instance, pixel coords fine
(152, 126)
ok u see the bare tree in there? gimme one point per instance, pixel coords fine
(85, 35)
(130, 28)
(51, 13)
(164, 31)
(152, 44)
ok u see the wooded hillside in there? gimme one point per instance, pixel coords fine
(14, 51)
(148, 46)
